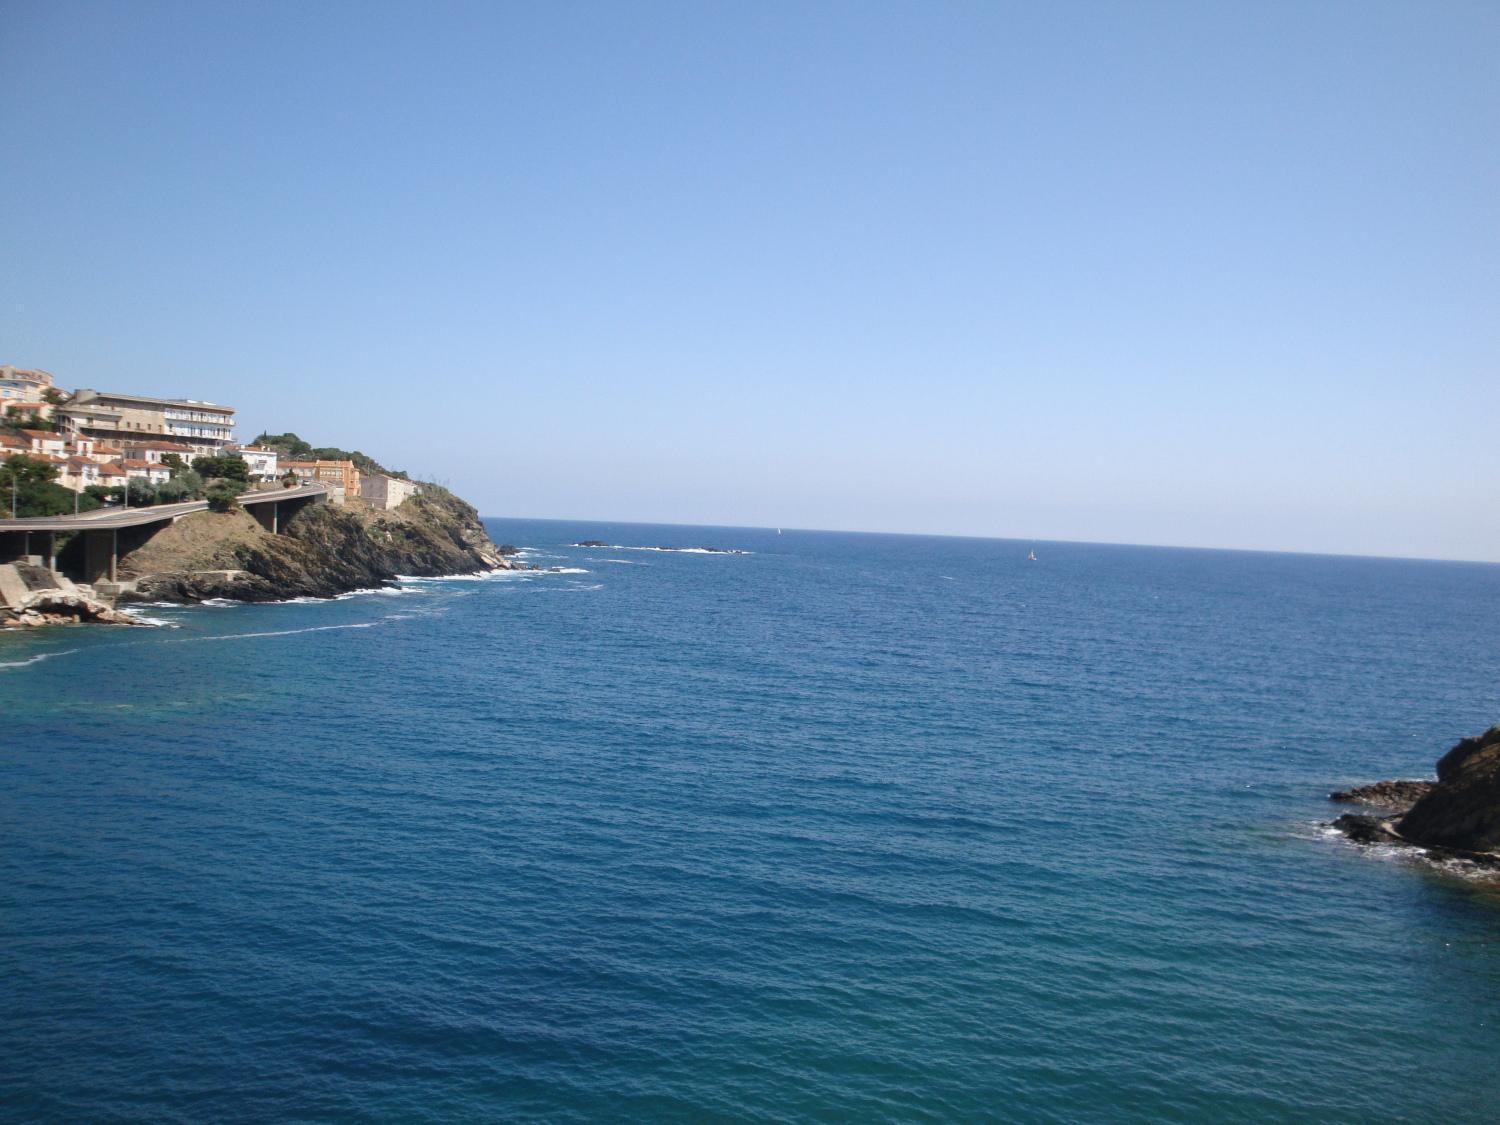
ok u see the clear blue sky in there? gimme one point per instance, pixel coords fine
(1189, 273)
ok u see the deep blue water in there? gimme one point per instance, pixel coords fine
(849, 828)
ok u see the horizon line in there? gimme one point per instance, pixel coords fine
(1015, 539)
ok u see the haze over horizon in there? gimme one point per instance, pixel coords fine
(1219, 275)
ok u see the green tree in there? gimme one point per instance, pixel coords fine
(222, 496)
(18, 468)
(289, 445)
(33, 487)
(31, 420)
(224, 467)
(142, 493)
(174, 490)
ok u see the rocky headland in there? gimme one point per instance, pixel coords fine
(324, 550)
(1456, 816)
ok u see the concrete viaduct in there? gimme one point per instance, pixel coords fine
(110, 533)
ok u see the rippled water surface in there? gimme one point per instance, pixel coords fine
(845, 828)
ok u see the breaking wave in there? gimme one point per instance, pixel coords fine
(668, 550)
(37, 659)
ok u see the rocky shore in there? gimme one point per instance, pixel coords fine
(32, 596)
(1456, 816)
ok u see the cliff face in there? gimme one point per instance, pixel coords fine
(324, 550)
(1458, 812)
(1463, 809)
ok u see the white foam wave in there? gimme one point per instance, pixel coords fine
(285, 632)
(376, 591)
(668, 550)
(220, 603)
(37, 659)
(683, 550)
(473, 576)
(156, 622)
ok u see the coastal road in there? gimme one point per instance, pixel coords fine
(115, 518)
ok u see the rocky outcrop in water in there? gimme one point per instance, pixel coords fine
(324, 550)
(1458, 814)
(32, 596)
(1463, 809)
(1398, 795)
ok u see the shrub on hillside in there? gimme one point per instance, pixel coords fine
(222, 497)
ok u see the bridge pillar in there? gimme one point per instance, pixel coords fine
(265, 515)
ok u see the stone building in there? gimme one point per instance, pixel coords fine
(383, 491)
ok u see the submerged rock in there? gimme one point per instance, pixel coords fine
(1400, 795)
(1364, 829)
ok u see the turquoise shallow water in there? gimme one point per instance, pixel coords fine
(847, 828)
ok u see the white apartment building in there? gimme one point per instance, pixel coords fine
(130, 420)
(261, 462)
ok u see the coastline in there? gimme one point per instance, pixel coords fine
(321, 552)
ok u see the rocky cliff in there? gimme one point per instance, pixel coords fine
(1459, 813)
(324, 550)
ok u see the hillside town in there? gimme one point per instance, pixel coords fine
(107, 448)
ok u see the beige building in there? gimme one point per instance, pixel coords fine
(128, 420)
(341, 477)
(380, 490)
(20, 385)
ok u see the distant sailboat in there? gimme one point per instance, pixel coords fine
(1031, 557)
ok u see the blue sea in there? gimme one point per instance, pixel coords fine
(843, 828)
